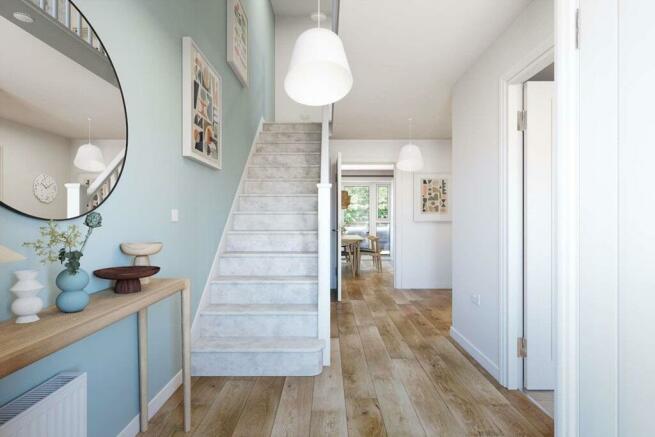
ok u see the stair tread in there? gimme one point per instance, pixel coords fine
(258, 344)
(268, 254)
(266, 279)
(260, 309)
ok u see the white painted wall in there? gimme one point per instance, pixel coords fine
(475, 181)
(423, 249)
(28, 152)
(287, 30)
(617, 213)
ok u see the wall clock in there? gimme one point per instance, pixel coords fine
(45, 188)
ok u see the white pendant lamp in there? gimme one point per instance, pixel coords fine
(89, 157)
(319, 73)
(410, 157)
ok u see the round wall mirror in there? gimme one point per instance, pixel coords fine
(63, 126)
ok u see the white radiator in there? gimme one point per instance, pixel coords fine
(56, 408)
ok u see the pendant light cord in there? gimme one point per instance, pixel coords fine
(411, 120)
(318, 19)
(89, 118)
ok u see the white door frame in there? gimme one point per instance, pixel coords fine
(339, 267)
(511, 214)
(567, 231)
(566, 158)
(395, 254)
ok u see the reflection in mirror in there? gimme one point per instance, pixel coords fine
(62, 119)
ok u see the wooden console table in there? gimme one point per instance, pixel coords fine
(24, 344)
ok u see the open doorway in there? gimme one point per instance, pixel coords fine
(538, 340)
(365, 220)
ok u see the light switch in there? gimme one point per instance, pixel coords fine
(175, 215)
(475, 298)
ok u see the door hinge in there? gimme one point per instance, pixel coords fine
(521, 121)
(577, 28)
(522, 347)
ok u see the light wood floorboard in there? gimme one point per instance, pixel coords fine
(395, 372)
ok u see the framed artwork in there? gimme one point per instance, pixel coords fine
(432, 197)
(237, 40)
(202, 96)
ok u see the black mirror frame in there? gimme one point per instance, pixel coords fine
(120, 88)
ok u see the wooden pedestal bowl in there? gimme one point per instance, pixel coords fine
(127, 278)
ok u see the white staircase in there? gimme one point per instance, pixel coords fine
(261, 315)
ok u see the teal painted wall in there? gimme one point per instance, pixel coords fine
(144, 39)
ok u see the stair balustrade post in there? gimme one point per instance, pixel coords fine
(73, 199)
(324, 234)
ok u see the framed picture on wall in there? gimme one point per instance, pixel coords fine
(237, 40)
(432, 197)
(202, 101)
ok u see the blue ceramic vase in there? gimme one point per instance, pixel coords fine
(72, 298)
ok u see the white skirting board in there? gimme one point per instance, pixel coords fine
(476, 353)
(154, 405)
(204, 297)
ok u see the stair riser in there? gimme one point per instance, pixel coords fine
(280, 222)
(257, 363)
(289, 137)
(284, 173)
(271, 242)
(273, 204)
(292, 127)
(268, 266)
(280, 187)
(288, 148)
(227, 325)
(263, 293)
(285, 160)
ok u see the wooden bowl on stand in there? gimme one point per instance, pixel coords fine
(127, 278)
(141, 253)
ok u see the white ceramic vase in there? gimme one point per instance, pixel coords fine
(27, 304)
(141, 253)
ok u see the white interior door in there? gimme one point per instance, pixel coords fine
(339, 224)
(539, 284)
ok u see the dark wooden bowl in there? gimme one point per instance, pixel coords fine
(127, 278)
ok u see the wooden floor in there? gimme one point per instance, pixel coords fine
(394, 372)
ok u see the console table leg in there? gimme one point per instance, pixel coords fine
(143, 368)
(186, 355)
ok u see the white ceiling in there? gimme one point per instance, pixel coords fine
(296, 8)
(42, 88)
(406, 56)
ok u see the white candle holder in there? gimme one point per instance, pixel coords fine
(27, 304)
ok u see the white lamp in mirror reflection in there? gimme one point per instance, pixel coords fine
(89, 157)
(410, 157)
(319, 73)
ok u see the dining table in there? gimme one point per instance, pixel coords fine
(351, 243)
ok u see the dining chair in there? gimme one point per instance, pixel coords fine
(348, 253)
(374, 251)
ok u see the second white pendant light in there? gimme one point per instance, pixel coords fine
(410, 157)
(89, 157)
(319, 73)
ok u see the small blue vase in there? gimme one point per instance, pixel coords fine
(72, 298)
